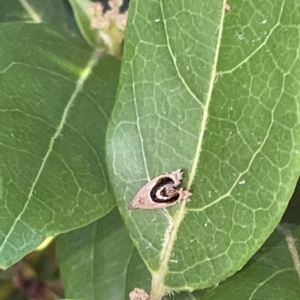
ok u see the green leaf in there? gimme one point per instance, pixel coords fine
(215, 93)
(12, 11)
(103, 261)
(182, 296)
(273, 273)
(56, 95)
(57, 14)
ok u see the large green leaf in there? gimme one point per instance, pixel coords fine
(103, 261)
(217, 94)
(273, 273)
(56, 95)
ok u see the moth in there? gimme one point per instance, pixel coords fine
(162, 191)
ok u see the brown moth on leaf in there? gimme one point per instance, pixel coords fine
(160, 192)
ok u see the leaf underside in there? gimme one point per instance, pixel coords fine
(215, 93)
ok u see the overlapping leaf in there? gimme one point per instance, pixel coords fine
(103, 261)
(56, 95)
(273, 273)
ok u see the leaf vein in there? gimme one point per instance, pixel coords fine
(93, 60)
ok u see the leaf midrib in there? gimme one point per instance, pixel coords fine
(158, 289)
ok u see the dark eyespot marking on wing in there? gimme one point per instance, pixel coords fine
(164, 191)
(161, 192)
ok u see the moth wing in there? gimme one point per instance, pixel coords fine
(142, 198)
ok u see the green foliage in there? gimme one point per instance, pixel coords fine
(210, 91)
(57, 94)
(103, 251)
